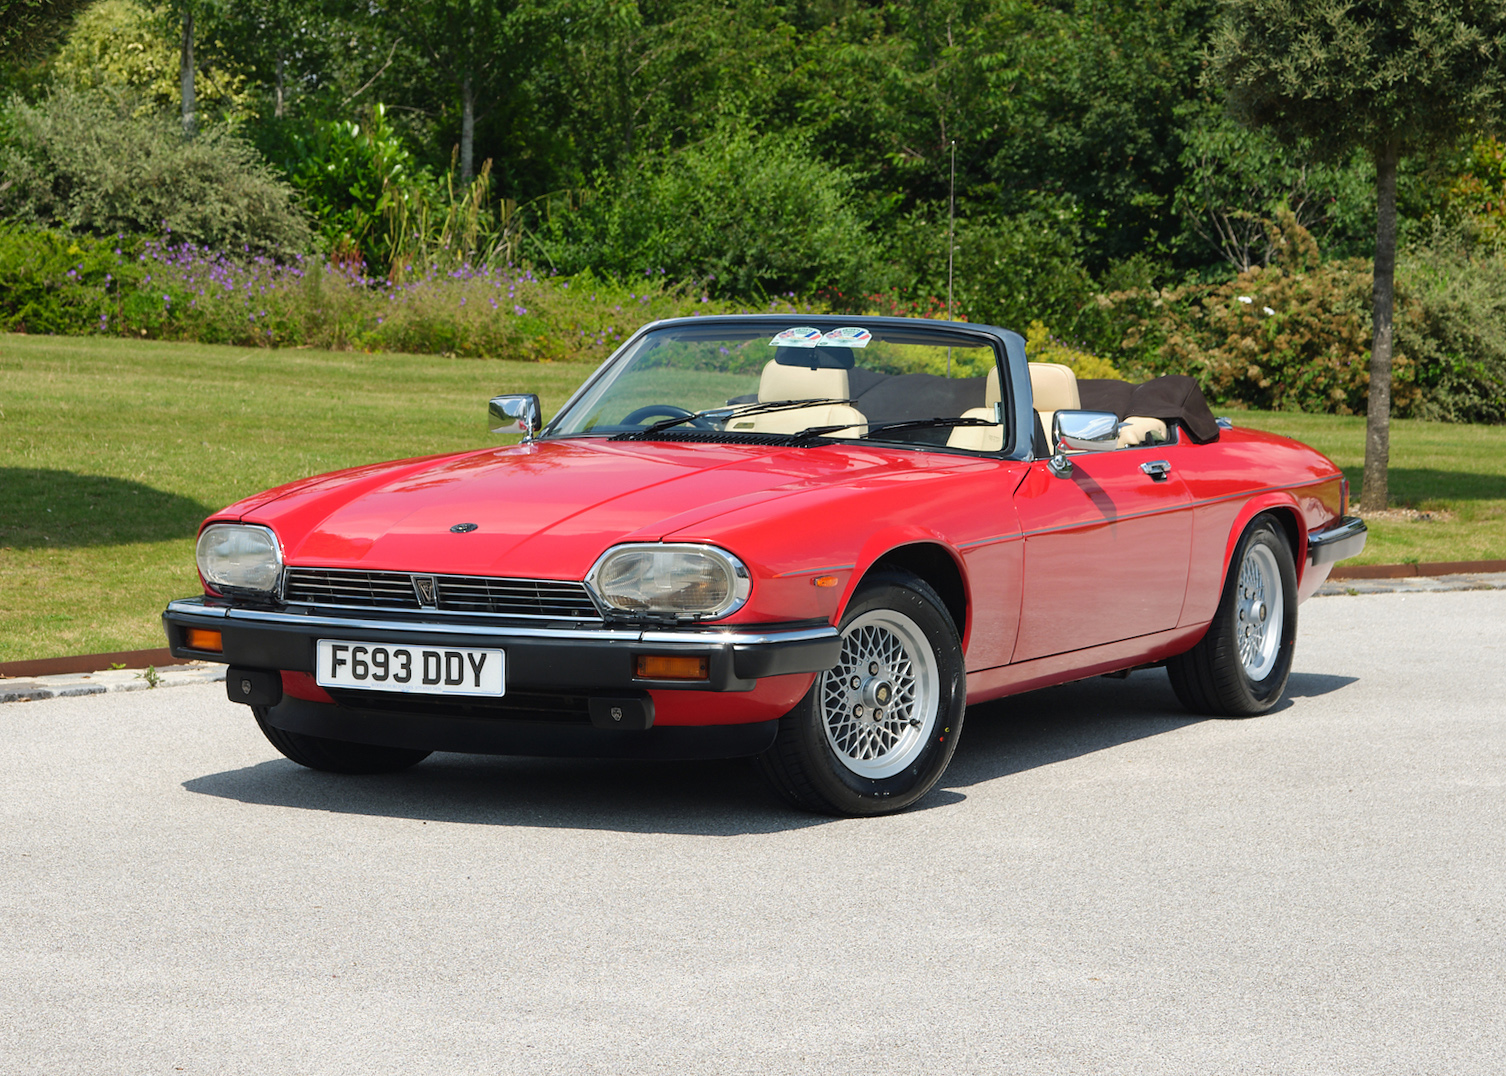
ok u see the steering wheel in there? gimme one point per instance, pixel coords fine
(637, 415)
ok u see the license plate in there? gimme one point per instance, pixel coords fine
(423, 670)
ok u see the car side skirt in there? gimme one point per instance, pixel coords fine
(986, 684)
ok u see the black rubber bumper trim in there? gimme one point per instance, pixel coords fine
(488, 736)
(1344, 539)
(551, 663)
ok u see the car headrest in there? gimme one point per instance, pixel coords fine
(816, 358)
(780, 382)
(992, 394)
(1054, 387)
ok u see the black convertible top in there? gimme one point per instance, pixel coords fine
(1172, 398)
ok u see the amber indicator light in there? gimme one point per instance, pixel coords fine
(825, 581)
(673, 667)
(203, 639)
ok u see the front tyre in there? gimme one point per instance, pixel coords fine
(877, 730)
(337, 756)
(1240, 668)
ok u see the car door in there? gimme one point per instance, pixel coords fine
(1106, 549)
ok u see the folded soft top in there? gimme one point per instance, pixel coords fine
(1172, 398)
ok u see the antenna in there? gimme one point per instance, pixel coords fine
(951, 215)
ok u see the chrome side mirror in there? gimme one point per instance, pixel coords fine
(1081, 431)
(519, 413)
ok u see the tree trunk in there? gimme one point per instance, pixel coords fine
(185, 72)
(467, 129)
(1374, 493)
(282, 67)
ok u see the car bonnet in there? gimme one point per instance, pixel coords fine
(545, 510)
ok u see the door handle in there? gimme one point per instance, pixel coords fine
(1159, 470)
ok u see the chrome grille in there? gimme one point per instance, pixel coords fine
(476, 594)
(360, 590)
(536, 597)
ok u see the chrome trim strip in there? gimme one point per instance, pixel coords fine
(995, 539)
(1243, 494)
(742, 638)
(195, 607)
(814, 571)
(425, 610)
(1345, 528)
(697, 636)
(295, 620)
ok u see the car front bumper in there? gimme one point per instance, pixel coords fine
(582, 660)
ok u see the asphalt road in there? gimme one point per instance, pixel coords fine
(1102, 885)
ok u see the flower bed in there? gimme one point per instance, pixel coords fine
(56, 283)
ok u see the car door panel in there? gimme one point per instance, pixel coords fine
(1106, 550)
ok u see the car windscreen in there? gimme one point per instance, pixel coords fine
(796, 383)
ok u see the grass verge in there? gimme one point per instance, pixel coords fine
(1451, 472)
(112, 451)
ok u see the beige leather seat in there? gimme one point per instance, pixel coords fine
(1140, 430)
(1054, 387)
(779, 382)
(981, 438)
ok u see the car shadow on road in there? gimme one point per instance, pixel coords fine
(1054, 724)
(719, 798)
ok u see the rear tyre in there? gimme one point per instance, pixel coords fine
(877, 730)
(1240, 668)
(337, 756)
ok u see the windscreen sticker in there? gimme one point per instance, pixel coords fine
(800, 336)
(847, 336)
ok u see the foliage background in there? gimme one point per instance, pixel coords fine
(739, 153)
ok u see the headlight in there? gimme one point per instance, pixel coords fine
(670, 580)
(239, 557)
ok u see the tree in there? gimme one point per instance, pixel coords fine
(122, 50)
(467, 41)
(1390, 77)
(279, 42)
(27, 27)
(183, 13)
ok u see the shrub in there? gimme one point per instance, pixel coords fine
(1009, 270)
(1042, 346)
(346, 173)
(1455, 327)
(1294, 335)
(740, 214)
(80, 163)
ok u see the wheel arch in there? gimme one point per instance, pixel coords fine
(938, 566)
(1283, 508)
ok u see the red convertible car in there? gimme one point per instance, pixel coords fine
(813, 542)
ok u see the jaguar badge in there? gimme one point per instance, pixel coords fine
(424, 586)
(463, 528)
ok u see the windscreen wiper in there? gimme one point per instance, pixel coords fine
(725, 412)
(812, 432)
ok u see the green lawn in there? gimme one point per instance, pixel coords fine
(112, 451)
